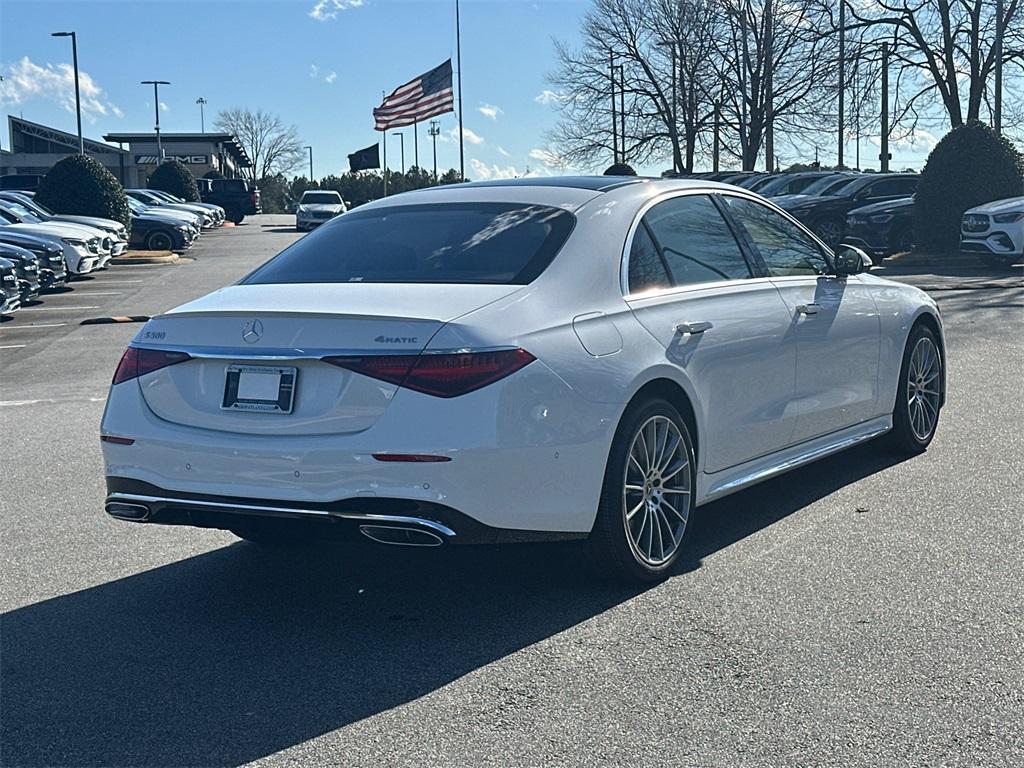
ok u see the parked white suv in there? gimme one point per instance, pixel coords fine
(994, 231)
(316, 207)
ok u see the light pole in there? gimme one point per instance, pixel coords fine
(202, 118)
(310, 162)
(434, 130)
(401, 136)
(78, 100)
(156, 108)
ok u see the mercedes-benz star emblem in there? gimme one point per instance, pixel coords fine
(252, 332)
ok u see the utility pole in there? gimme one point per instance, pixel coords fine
(883, 156)
(717, 145)
(202, 118)
(462, 133)
(156, 108)
(78, 99)
(401, 138)
(769, 86)
(310, 163)
(842, 83)
(615, 130)
(997, 118)
(434, 130)
(622, 107)
(744, 64)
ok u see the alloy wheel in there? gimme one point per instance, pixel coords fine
(656, 495)
(923, 395)
(830, 231)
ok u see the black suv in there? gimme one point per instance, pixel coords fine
(882, 229)
(235, 196)
(826, 215)
(26, 270)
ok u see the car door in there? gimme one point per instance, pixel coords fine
(693, 288)
(884, 189)
(834, 320)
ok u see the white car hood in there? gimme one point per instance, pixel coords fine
(106, 225)
(63, 230)
(329, 207)
(1009, 205)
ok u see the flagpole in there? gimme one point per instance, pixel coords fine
(415, 144)
(384, 142)
(458, 55)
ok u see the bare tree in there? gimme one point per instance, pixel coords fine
(272, 146)
(945, 51)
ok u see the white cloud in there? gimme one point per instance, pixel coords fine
(314, 70)
(470, 137)
(504, 152)
(164, 107)
(25, 81)
(481, 171)
(547, 97)
(331, 77)
(491, 111)
(329, 9)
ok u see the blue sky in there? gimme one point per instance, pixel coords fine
(320, 64)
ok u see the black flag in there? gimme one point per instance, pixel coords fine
(365, 158)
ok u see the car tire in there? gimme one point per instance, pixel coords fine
(643, 508)
(915, 416)
(236, 216)
(830, 229)
(159, 241)
(902, 240)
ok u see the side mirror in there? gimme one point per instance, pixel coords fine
(851, 260)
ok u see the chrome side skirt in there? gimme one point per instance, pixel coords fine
(794, 457)
(118, 501)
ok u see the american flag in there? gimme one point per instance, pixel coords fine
(426, 96)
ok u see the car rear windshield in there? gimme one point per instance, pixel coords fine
(331, 198)
(436, 243)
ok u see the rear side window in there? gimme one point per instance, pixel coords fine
(230, 185)
(646, 269)
(695, 241)
(498, 243)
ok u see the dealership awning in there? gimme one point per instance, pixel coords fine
(227, 140)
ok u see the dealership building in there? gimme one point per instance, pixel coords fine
(35, 148)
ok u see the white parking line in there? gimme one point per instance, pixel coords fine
(99, 293)
(54, 309)
(113, 282)
(25, 327)
(12, 346)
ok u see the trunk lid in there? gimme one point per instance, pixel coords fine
(289, 328)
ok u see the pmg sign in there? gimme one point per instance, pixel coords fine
(186, 159)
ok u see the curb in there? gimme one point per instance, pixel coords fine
(117, 319)
(166, 257)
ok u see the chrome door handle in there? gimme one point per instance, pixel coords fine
(808, 309)
(693, 328)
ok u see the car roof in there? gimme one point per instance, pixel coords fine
(592, 183)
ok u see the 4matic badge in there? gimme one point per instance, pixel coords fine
(396, 339)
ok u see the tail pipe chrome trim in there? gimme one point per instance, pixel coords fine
(127, 511)
(401, 535)
(121, 501)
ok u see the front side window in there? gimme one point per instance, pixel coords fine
(695, 241)
(500, 243)
(785, 248)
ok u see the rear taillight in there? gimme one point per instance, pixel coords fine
(440, 375)
(137, 362)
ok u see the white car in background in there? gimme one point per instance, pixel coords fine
(215, 210)
(519, 360)
(114, 229)
(82, 247)
(192, 220)
(147, 197)
(316, 207)
(994, 231)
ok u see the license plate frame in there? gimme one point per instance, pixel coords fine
(285, 402)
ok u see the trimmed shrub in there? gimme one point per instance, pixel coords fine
(969, 167)
(80, 186)
(174, 178)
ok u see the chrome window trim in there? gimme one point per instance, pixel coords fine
(314, 354)
(709, 192)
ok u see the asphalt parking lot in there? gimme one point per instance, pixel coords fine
(861, 611)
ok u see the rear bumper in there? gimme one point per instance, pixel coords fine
(526, 454)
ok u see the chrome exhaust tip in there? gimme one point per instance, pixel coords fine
(125, 511)
(401, 536)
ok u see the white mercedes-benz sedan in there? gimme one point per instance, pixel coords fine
(519, 360)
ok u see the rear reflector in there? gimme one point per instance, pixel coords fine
(137, 362)
(117, 440)
(440, 375)
(422, 458)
